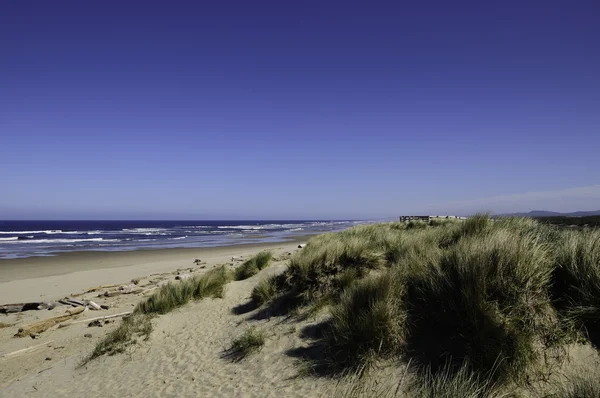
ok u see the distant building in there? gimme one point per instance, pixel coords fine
(429, 218)
(411, 218)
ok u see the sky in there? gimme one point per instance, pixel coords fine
(297, 110)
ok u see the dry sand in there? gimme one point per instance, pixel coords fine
(185, 353)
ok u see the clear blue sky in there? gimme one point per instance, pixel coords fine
(297, 109)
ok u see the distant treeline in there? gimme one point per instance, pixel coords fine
(590, 221)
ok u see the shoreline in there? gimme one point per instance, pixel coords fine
(49, 278)
(13, 269)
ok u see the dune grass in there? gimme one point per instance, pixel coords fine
(117, 341)
(367, 321)
(576, 280)
(486, 300)
(265, 290)
(253, 266)
(176, 294)
(473, 306)
(250, 341)
(444, 384)
(166, 299)
(487, 297)
(582, 385)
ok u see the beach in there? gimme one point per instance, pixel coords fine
(56, 276)
(185, 353)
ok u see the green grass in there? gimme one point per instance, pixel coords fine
(253, 266)
(265, 290)
(576, 280)
(449, 383)
(367, 321)
(582, 385)
(489, 295)
(117, 341)
(473, 306)
(176, 294)
(444, 384)
(250, 341)
(166, 299)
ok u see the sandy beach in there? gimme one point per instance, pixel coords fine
(56, 276)
(185, 353)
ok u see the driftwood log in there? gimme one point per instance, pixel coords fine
(25, 350)
(100, 318)
(94, 289)
(20, 307)
(42, 326)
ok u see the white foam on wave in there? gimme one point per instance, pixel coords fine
(9, 239)
(242, 227)
(63, 240)
(180, 237)
(294, 226)
(48, 231)
(142, 230)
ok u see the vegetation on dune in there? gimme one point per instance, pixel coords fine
(494, 300)
(576, 281)
(166, 299)
(176, 294)
(117, 341)
(585, 384)
(253, 266)
(443, 384)
(579, 222)
(474, 307)
(484, 301)
(250, 341)
(265, 290)
(367, 321)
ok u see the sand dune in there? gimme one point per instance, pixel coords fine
(185, 355)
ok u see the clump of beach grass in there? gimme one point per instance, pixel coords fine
(117, 341)
(585, 384)
(253, 265)
(176, 294)
(576, 281)
(166, 299)
(486, 301)
(473, 293)
(444, 384)
(265, 290)
(368, 321)
(250, 341)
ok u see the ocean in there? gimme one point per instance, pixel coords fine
(20, 239)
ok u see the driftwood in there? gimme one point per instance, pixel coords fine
(20, 307)
(72, 302)
(99, 318)
(46, 324)
(114, 293)
(76, 302)
(94, 289)
(93, 306)
(25, 350)
(41, 326)
(76, 311)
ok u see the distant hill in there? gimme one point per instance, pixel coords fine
(544, 213)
